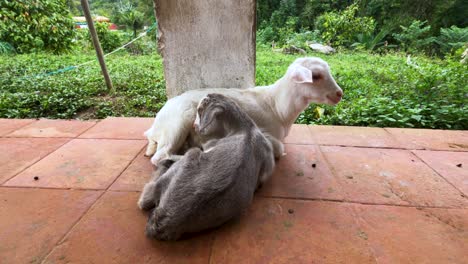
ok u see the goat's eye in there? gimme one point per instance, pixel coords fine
(316, 76)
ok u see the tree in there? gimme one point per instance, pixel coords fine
(415, 38)
(341, 28)
(31, 26)
(127, 15)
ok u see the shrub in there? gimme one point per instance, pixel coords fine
(6, 48)
(372, 42)
(27, 92)
(110, 40)
(31, 26)
(301, 39)
(266, 35)
(415, 38)
(452, 39)
(340, 28)
(384, 90)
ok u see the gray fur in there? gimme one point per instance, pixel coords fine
(204, 189)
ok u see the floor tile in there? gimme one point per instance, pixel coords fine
(431, 139)
(34, 220)
(389, 176)
(16, 154)
(292, 231)
(81, 163)
(10, 125)
(299, 134)
(113, 232)
(353, 136)
(296, 176)
(53, 128)
(408, 235)
(453, 166)
(135, 176)
(120, 128)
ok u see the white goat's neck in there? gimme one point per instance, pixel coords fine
(288, 101)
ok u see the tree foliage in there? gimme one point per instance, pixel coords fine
(341, 28)
(32, 25)
(452, 39)
(128, 15)
(415, 37)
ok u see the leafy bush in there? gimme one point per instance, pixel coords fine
(379, 90)
(110, 40)
(340, 28)
(266, 35)
(32, 26)
(301, 39)
(28, 92)
(372, 42)
(415, 38)
(278, 35)
(145, 45)
(127, 15)
(452, 39)
(384, 90)
(6, 48)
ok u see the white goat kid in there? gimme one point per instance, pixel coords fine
(274, 108)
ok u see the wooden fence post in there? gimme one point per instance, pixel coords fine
(97, 45)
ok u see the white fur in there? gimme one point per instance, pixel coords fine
(274, 108)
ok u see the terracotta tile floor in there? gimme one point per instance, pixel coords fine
(68, 192)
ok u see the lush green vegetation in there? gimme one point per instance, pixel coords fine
(27, 91)
(34, 26)
(382, 85)
(414, 26)
(380, 90)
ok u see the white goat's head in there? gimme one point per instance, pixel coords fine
(311, 79)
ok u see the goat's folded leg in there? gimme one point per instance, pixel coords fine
(146, 200)
(278, 147)
(151, 148)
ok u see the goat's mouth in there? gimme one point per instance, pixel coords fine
(333, 100)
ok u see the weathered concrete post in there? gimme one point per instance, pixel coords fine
(206, 43)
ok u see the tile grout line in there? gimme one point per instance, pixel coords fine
(89, 209)
(438, 174)
(86, 130)
(357, 202)
(394, 137)
(332, 171)
(51, 188)
(37, 120)
(357, 219)
(6, 134)
(30, 165)
(370, 147)
(312, 134)
(126, 167)
(73, 226)
(82, 138)
(260, 196)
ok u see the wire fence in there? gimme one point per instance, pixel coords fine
(71, 68)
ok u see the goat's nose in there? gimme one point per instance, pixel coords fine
(339, 93)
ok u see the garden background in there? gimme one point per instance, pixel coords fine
(399, 63)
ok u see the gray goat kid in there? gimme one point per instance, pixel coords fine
(204, 189)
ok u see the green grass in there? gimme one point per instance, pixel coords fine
(379, 90)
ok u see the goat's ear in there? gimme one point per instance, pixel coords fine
(300, 74)
(208, 117)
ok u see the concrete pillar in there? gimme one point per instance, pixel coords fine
(206, 43)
